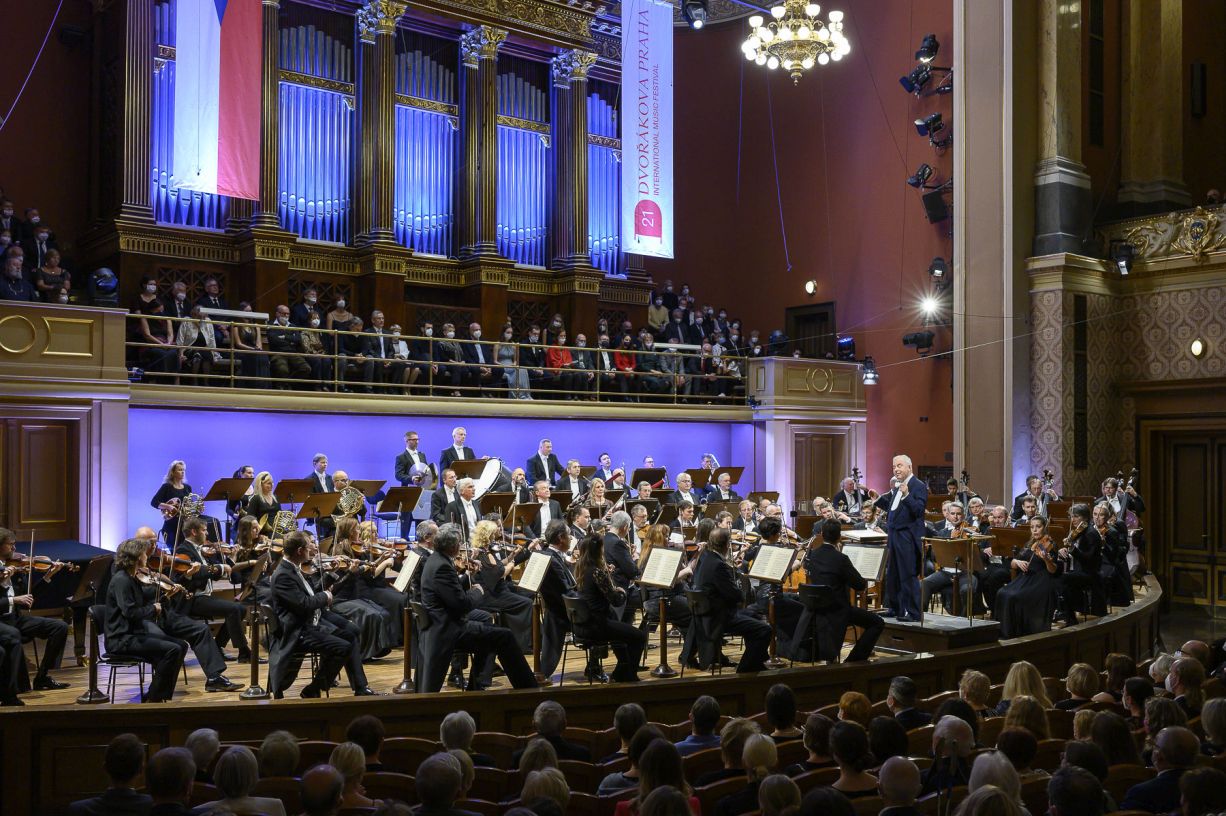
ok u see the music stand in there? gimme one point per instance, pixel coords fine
(227, 489)
(318, 505)
(668, 514)
(660, 571)
(92, 576)
(499, 503)
(522, 515)
(963, 554)
(805, 525)
(652, 476)
(756, 497)
(562, 497)
(468, 468)
(294, 490)
(614, 496)
(587, 471)
(701, 477)
(735, 472)
(400, 500)
(715, 508)
(773, 564)
(369, 487)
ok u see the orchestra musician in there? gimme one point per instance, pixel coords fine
(263, 503)
(458, 450)
(493, 561)
(787, 605)
(453, 626)
(1029, 510)
(520, 486)
(997, 573)
(1122, 499)
(1041, 496)
(464, 511)
(579, 519)
(644, 490)
(321, 482)
(715, 576)
(375, 626)
(1113, 544)
(237, 508)
(305, 621)
(130, 627)
(638, 526)
(904, 506)
(573, 481)
(977, 514)
(685, 516)
(851, 497)
(596, 501)
(870, 518)
(16, 594)
(745, 522)
(615, 551)
(603, 597)
(1026, 605)
(544, 465)
(408, 458)
(942, 580)
(202, 605)
(825, 564)
(604, 467)
(249, 545)
(722, 490)
(685, 491)
(678, 608)
(558, 581)
(443, 497)
(168, 497)
(956, 494)
(1083, 559)
(550, 509)
(828, 512)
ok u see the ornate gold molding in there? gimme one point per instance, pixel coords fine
(379, 17)
(334, 85)
(1195, 232)
(604, 141)
(325, 260)
(572, 65)
(524, 124)
(431, 105)
(613, 291)
(608, 47)
(167, 242)
(423, 273)
(481, 43)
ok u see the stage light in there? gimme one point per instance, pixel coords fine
(846, 348)
(1198, 348)
(938, 270)
(929, 305)
(810, 287)
(922, 174)
(915, 81)
(1123, 253)
(868, 371)
(930, 124)
(694, 12)
(921, 341)
(928, 49)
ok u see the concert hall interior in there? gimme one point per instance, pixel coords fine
(576, 407)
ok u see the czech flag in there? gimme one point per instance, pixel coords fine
(217, 96)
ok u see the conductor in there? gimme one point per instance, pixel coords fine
(905, 527)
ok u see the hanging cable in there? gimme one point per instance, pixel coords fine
(770, 110)
(30, 73)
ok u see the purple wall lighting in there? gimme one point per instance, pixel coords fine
(215, 443)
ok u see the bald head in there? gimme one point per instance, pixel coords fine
(1176, 747)
(321, 789)
(1197, 650)
(899, 782)
(145, 534)
(952, 737)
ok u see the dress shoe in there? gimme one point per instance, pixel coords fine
(887, 613)
(596, 676)
(544, 682)
(366, 691)
(310, 693)
(456, 680)
(47, 684)
(222, 683)
(12, 701)
(725, 661)
(229, 658)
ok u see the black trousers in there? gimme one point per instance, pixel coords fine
(485, 641)
(757, 635)
(199, 638)
(11, 657)
(164, 653)
(872, 624)
(206, 607)
(677, 613)
(337, 644)
(628, 643)
(994, 577)
(52, 630)
(1073, 588)
(515, 611)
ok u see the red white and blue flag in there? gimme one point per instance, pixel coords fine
(217, 96)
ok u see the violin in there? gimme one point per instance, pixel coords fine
(179, 564)
(41, 563)
(150, 578)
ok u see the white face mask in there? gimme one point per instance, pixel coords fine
(315, 323)
(34, 219)
(310, 299)
(477, 334)
(449, 334)
(284, 321)
(180, 296)
(429, 332)
(151, 288)
(340, 304)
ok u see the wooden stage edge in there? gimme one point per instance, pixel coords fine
(56, 751)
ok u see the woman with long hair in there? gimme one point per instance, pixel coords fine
(263, 503)
(659, 766)
(598, 592)
(173, 490)
(1026, 604)
(376, 638)
(494, 564)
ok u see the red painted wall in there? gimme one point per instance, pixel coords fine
(45, 142)
(845, 143)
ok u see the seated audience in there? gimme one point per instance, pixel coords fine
(825, 801)
(660, 766)
(1137, 690)
(1119, 668)
(1090, 757)
(886, 738)
(994, 768)
(817, 742)
(468, 772)
(204, 745)
(1160, 713)
(321, 789)
(456, 732)
(1213, 722)
(1023, 678)
(235, 775)
(1110, 732)
(704, 718)
(731, 743)
(849, 747)
(1020, 746)
(855, 707)
(975, 687)
(1074, 791)
(989, 801)
(761, 759)
(1081, 723)
(781, 713)
(778, 796)
(368, 732)
(350, 761)
(1202, 791)
(627, 720)
(900, 700)
(438, 780)
(169, 777)
(538, 753)
(1175, 751)
(952, 743)
(629, 778)
(1027, 712)
(1158, 669)
(549, 720)
(547, 783)
(899, 783)
(1184, 681)
(278, 755)
(665, 801)
(125, 754)
(1082, 685)
(961, 709)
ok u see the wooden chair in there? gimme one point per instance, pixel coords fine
(1049, 755)
(479, 806)
(708, 795)
(922, 762)
(990, 729)
(809, 780)
(404, 754)
(1060, 724)
(500, 746)
(605, 805)
(994, 693)
(1034, 794)
(357, 811)
(389, 785)
(868, 805)
(582, 804)
(581, 776)
(791, 752)
(931, 704)
(493, 784)
(203, 792)
(312, 753)
(935, 803)
(1122, 777)
(585, 737)
(285, 788)
(919, 740)
(702, 762)
(1055, 688)
(831, 711)
(613, 766)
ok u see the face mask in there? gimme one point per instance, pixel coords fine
(477, 334)
(580, 343)
(449, 334)
(340, 304)
(311, 299)
(151, 288)
(315, 323)
(42, 236)
(63, 298)
(659, 302)
(429, 332)
(284, 321)
(34, 219)
(1169, 685)
(557, 325)
(757, 349)
(507, 335)
(736, 337)
(180, 296)
(534, 337)
(668, 288)
(561, 341)
(723, 315)
(647, 345)
(676, 320)
(604, 343)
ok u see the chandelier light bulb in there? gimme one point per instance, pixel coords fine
(835, 16)
(766, 35)
(806, 63)
(755, 21)
(778, 11)
(803, 32)
(844, 47)
(772, 63)
(760, 59)
(836, 56)
(823, 33)
(785, 34)
(822, 59)
(812, 10)
(750, 55)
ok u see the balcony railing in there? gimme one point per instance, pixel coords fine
(178, 352)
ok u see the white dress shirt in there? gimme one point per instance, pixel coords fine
(311, 592)
(545, 519)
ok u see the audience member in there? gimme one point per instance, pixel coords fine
(350, 761)
(1202, 791)
(1184, 681)
(665, 801)
(731, 743)
(1175, 751)
(629, 778)
(849, 747)
(855, 707)
(1022, 678)
(781, 713)
(887, 738)
(1020, 746)
(778, 796)
(760, 759)
(125, 755)
(1111, 733)
(704, 717)
(900, 700)
(899, 783)
(321, 789)
(1137, 690)
(1158, 667)
(817, 742)
(1074, 791)
(660, 766)
(1160, 713)
(1090, 757)
(1082, 719)
(468, 771)
(1119, 668)
(235, 775)
(952, 743)
(367, 731)
(548, 783)
(1213, 722)
(627, 720)
(549, 720)
(1027, 712)
(975, 687)
(1198, 650)
(957, 707)
(825, 801)
(278, 754)
(456, 732)
(438, 780)
(994, 768)
(169, 777)
(1082, 685)
(204, 743)
(989, 801)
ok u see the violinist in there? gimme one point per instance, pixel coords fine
(615, 551)
(1029, 511)
(829, 512)
(603, 597)
(678, 609)
(202, 605)
(715, 576)
(375, 625)
(1113, 544)
(942, 580)
(176, 625)
(638, 526)
(131, 627)
(745, 522)
(685, 516)
(787, 605)
(494, 562)
(722, 490)
(1082, 554)
(249, 545)
(1026, 605)
(870, 519)
(168, 498)
(977, 515)
(826, 565)
(465, 510)
(372, 582)
(28, 627)
(424, 546)
(263, 503)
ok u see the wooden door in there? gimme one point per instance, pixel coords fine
(38, 484)
(819, 461)
(1190, 552)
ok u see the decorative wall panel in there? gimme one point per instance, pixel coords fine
(604, 177)
(523, 98)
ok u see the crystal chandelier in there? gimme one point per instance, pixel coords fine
(795, 39)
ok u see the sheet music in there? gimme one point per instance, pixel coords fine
(864, 536)
(866, 559)
(662, 567)
(534, 571)
(406, 571)
(772, 563)
(676, 538)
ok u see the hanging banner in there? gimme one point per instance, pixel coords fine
(647, 128)
(218, 56)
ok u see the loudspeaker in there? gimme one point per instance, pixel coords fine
(935, 207)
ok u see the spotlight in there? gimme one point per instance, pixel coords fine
(810, 287)
(694, 12)
(921, 341)
(868, 371)
(846, 348)
(928, 49)
(1123, 253)
(1198, 348)
(929, 305)
(915, 81)
(930, 126)
(938, 270)
(920, 179)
